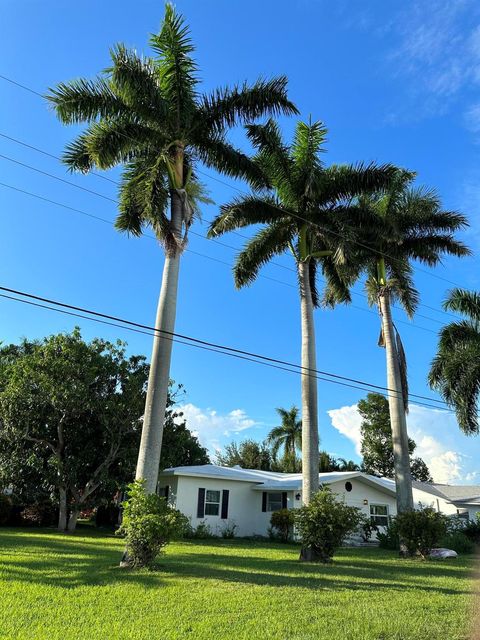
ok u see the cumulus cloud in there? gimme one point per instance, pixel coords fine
(212, 428)
(433, 430)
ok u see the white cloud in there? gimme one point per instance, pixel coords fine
(212, 428)
(436, 45)
(347, 421)
(434, 432)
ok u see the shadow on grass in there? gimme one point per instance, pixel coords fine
(44, 557)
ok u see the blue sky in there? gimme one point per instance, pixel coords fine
(394, 82)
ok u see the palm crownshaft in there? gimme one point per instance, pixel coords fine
(308, 213)
(147, 115)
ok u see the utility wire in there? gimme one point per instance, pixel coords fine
(203, 343)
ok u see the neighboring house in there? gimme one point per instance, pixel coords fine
(247, 497)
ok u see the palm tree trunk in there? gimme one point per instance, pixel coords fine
(159, 377)
(398, 421)
(310, 453)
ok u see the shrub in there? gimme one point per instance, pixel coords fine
(282, 522)
(40, 514)
(148, 525)
(421, 530)
(227, 530)
(202, 531)
(389, 538)
(472, 530)
(324, 524)
(457, 541)
(5, 508)
(367, 529)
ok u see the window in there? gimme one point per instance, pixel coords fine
(163, 492)
(379, 514)
(212, 503)
(274, 501)
(348, 486)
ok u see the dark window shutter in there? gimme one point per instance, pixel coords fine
(225, 494)
(284, 499)
(201, 503)
(167, 492)
(264, 501)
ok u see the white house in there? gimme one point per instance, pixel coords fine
(247, 497)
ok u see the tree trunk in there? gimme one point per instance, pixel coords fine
(398, 421)
(157, 390)
(310, 456)
(72, 521)
(62, 510)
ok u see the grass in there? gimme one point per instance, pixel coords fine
(58, 587)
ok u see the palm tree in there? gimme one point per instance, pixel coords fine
(287, 435)
(147, 115)
(307, 213)
(347, 465)
(327, 462)
(455, 370)
(407, 224)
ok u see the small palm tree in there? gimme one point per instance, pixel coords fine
(287, 435)
(455, 371)
(308, 214)
(147, 115)
(407, 224)
(347, 465)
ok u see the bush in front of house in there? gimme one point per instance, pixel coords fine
(389, 538)
(202, 531)
(228, 529)
(282, 522)
(324, 524)
(472, 530)
(148, 525)
(5, 508)
(367, 528)
(457, 541)
(421, 530)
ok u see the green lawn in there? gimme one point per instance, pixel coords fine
(58, 587)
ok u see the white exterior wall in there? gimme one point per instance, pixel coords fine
(244, 504)
(425, 499)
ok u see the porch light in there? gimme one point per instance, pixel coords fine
(297, 496)
(365, 501)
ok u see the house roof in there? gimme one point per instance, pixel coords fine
(276, 481)
(459, 493)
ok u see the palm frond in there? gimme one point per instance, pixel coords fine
(266, 243)
(308, 144)
(175, 67)
(86, 100)
(343, 182)
(229, 107)
(465, 302)
(243, 212)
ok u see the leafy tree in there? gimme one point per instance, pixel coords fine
(79, 406)
(455, 370)
(407, 224)
(308, 213)
(377, 445)
(147, 114)
(288, 435)
(247, 454)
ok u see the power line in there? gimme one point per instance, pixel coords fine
(360, 244)
(204, 343)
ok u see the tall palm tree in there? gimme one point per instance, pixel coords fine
(146, 114)
(455, 370)
(287, 435)
(408, 224)
(307, 213)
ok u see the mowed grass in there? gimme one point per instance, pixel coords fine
(58, 587)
